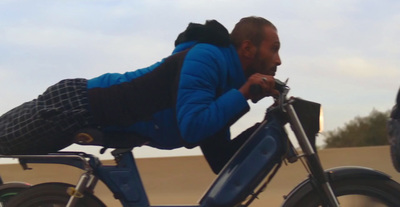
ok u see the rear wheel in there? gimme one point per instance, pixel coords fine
(356, 192)
(9, 190)
(51, 195)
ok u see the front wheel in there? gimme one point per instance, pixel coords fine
(51, 195)
(362, 192)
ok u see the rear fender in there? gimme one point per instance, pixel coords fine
(18, 185)
(334, 174)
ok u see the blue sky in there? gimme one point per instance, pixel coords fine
(342, 54)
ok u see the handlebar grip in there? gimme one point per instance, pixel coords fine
(255, 89)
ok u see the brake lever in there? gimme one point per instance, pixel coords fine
(283, 90)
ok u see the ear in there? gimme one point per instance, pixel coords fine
(248, 49)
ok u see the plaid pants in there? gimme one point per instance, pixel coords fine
(48, 123)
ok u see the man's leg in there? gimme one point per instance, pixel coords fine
(218, 150)
(47, 123)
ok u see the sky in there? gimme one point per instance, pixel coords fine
(342, 54)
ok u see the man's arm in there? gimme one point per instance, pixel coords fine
(201, 112)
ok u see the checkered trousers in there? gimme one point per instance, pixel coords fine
(48, 123)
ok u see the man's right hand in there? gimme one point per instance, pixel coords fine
(265, 82)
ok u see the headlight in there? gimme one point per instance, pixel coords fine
(309, 114)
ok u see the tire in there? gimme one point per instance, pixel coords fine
(358, 192)
(9, 190)
(51, 195)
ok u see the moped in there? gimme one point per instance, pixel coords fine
(241, 180)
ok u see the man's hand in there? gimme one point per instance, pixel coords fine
(265, 82)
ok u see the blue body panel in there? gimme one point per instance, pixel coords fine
(124, 181)
(248, 167)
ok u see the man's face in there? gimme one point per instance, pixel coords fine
(266, 58)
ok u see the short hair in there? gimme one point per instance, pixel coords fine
(250, 28)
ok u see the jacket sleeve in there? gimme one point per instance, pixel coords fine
(201, 110)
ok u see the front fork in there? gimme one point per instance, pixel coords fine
(313, 162)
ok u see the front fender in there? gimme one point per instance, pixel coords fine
(333, 175)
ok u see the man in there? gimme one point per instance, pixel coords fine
(190, 98)
(393, 130)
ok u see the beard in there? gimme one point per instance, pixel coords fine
(262, 65)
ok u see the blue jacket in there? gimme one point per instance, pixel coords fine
(204, 97)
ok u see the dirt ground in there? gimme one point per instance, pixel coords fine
(183, 180)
